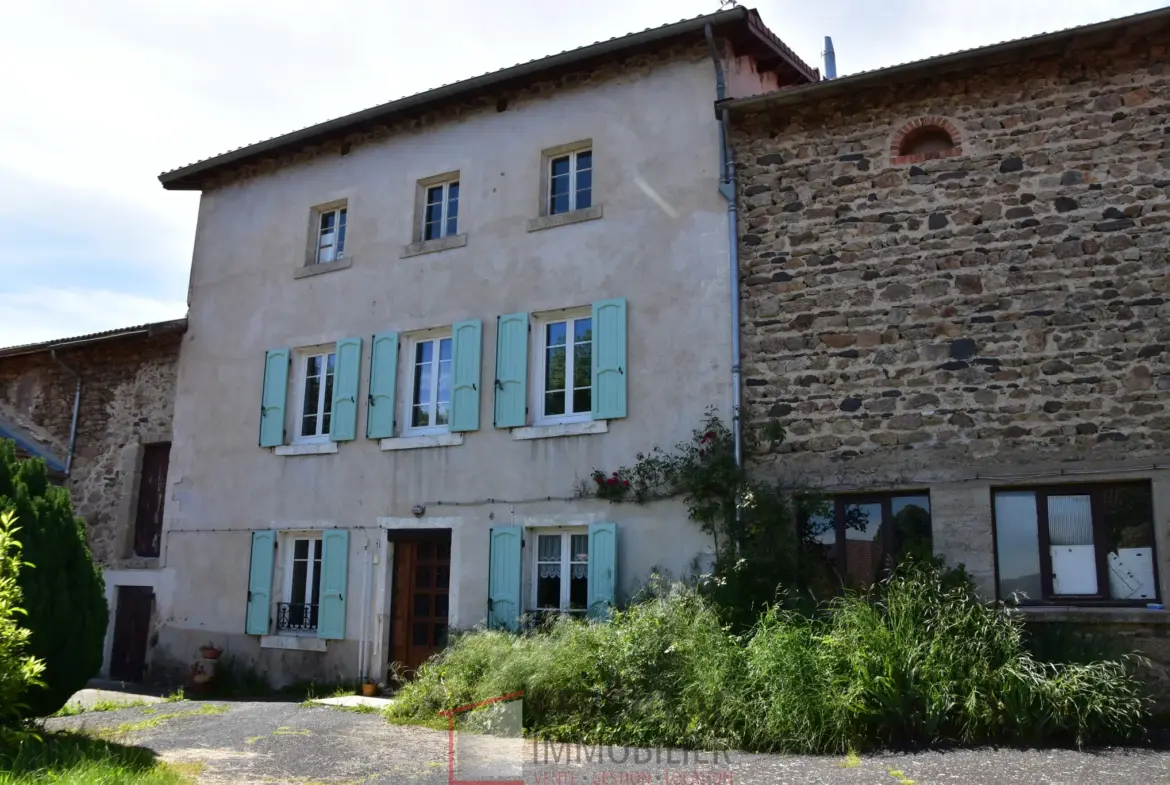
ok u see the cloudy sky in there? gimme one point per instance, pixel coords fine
(98, 98)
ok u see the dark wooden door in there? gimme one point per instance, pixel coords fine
(131, 631)
(151, 493)
(419, 612)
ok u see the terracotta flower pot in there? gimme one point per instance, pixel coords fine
(209, 652)
(369, 689)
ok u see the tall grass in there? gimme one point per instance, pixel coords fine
(73, 759)
(921, 662)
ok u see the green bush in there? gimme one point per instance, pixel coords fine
(64, 594)
(18, 671)
(920, 662)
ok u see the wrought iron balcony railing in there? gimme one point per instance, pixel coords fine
(296, 617)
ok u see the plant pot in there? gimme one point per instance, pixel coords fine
(369, 689)
(209, 652)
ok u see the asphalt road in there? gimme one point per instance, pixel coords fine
(251, 742)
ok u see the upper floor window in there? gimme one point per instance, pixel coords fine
(565, 379)
(1076, 543)
(315, 385)
(430, 390)
(570, 181)
(441, 210)
(330, 235)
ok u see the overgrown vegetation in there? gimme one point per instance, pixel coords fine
(18, 670)
(75, 759)
(922, 661)
(63, 592)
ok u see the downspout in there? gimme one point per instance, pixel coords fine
(727, 188)
(76, 410)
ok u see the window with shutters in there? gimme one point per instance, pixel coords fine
(313, 400)
(441, 210)
(298, 611)
(564, 367)
(560, 579)
(1076, 544)
(429, 402)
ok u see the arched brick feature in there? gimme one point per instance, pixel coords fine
(917, 126)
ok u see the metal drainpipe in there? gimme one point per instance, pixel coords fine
(727, 188)
(76, 410)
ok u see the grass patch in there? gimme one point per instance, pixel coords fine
(175, 697)
(73, 709)
(920, 662)
(75, 759)
(157, 719)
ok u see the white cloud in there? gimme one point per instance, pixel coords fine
(43, 313)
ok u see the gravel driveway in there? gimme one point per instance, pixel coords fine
(249, 742)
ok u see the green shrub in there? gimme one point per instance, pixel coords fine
(920, 662)
(64, 595)
(18, 671)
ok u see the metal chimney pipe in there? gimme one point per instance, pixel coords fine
(830, 59)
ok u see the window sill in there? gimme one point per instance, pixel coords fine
(422, 442)
(309, 270)
(561, 219)
(433, 246)
(292, 642)
(561, 429)
(316, 448)
(1115, 615)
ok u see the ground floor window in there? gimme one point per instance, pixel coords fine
(1076, 543)
(561, 580)
(863, 536)
(302, 585)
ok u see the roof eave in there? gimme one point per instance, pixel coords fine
(192, 177)
(1004, 51)
(149, 330)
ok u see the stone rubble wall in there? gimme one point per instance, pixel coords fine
(127, 399)
(1005, 305)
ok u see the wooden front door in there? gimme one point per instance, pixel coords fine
(422, 576)
(151, 492)
(131, 631)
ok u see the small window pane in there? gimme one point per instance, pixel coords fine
(912, 537)
(440, 631)
(315, 586)
(583, 365)
(453, 191)
(1070, 537)
(579, 590)
(309, 425)
(424, 351)
(554, 371)
(419, 634)
(312, 395)
(328, 402)
(434, 195)
(555, 334)
(327, 220)
(442, 576)
(1017, 544)
(422, 605)
(584, 182)
(560, 167)
(863, 546)
(445, 349)
(330, 361)
(548, 547)
(554, 403)
(341, 235)
(422, 577)
(299, 579)
(1128, 516)
(441, 606)
(584, 162)
(548, 587)
(424, 551)
(583, 330)
(579, 547)
(443, 413)
(301, 549)
(582, 400)
(584, 199)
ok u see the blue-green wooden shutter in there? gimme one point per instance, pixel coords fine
(272, 398)
(383, 380)
(602, 568)
(466, 340)
(511, 371)
(347, 372)
(504, 568)
(609, 359)
(331, 599)
(260, 583)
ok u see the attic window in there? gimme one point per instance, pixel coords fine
(924, 139)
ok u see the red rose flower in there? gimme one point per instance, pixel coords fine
(599, 479)
(626, 483)
(611, 481)
(709, 436)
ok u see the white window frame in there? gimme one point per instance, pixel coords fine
(300, 379)
(317, 545)
(411, 350)
(540, 359)
(548, 185)
(445, 185)
(340, 214)
(567, 562)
